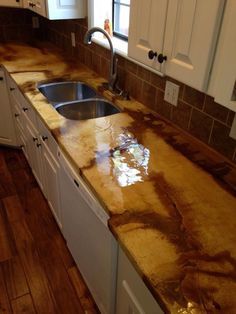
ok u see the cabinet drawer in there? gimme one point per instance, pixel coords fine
(47, 138)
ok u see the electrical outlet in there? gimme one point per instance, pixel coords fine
(171, 93)
(233, 129)
(35, 22)
(72, 39)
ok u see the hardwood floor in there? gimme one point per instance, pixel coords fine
(37, 272)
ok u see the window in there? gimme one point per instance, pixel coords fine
(117, 13)
(120, 19)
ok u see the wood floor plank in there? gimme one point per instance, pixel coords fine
(65, 295)
(7, 244)
(4, 301)
(23, 304)
(82, 291)
(13, 208)
(22, 235)
(14, 277)
(38, 283)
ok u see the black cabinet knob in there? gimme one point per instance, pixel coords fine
(25, 109)
(12, 88)
(152, 54)
(44, 138)
(161, 58)
(35, 139)
(17, 115)
(38, 145)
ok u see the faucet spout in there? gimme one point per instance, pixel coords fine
(113, 65)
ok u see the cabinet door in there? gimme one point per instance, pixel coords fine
(33, 150)
(147, 29)
(190, 37)
(7, 128)
(132, 294)
(224, 68)
(51, 182)
(66, 9)
(11, 3)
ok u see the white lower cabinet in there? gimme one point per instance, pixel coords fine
(7, 129)
(133, 297)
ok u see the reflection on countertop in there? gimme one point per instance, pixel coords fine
(171, 201)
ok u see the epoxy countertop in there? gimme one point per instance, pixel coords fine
(171, 201)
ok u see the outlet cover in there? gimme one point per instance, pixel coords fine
(171, 93)
(233, 129)
(72, 39)
(35, 22)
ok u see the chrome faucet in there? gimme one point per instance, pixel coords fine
(113, 66)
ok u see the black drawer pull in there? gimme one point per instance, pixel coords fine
(12, 88)
(44, 138)
(25, 109)
(17, 115)
(76, 183)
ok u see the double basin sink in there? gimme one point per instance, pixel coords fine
(76, 100)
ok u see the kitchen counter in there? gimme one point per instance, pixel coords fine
(171, 201)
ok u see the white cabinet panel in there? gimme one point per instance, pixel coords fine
(11, 3)
(63, 9)
(146, 30)
(58, 9)
(224, 68)
(51, 182)
(132, 294)
(93, 247)
(190, 37)
(7, 128)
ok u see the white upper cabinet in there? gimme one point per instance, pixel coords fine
(146, 30)
(11, 3)
(223, 77)
(183, 33)
(58, 9)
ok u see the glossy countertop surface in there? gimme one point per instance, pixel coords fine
(171, 202)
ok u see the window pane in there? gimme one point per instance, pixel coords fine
(121, 18)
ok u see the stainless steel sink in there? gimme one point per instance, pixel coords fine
(86, 109)
(59, 92)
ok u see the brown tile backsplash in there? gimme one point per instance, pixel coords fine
(181, 115)
(200, 125)
(221, 141)
(196, 112)
(149, 95)
(193, 97)
(215, 110)
(16, 24)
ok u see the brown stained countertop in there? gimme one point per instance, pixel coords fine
(171, 200)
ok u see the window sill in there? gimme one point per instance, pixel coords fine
(120, 46)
